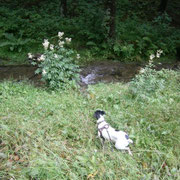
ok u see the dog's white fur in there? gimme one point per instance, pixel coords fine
(106, 132)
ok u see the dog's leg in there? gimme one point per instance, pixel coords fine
(109, 139)
(129, 151)
(101, 139)
(112, 148)
(120, 147)
(102, 142)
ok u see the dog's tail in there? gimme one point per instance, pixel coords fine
(98, 114)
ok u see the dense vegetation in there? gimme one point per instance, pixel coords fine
(52, 135)
(125, 30)
(50, 132)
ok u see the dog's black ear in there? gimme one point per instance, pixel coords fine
(98, 113)
(103, 113)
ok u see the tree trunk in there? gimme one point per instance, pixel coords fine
(63, 8)
(111, 6)
(162, 6)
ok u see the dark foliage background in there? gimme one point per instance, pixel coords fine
(126, 29)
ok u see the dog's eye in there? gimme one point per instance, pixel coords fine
(126, 136)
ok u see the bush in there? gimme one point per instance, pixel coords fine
(137, 39)
(150, 83)
(57, 65)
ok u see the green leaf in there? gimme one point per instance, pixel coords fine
(5, 44)
(91, 43)
(19, 49)
(9, 36)
(37, 70)
(11, 48)
(147, 39)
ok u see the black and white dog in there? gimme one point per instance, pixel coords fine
(106, 132)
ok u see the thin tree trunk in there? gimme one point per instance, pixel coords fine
(111, 6)
(63, 7)
(162, 6)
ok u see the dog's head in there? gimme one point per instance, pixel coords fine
(98, 114)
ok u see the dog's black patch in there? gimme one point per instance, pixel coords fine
(101, 136)
(116, 130)
(126, 136)
(98, 113)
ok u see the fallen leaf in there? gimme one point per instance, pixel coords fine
(164, 165)
(16, 158)
(92, 96)
(17, 148)
(144, 165)
(92, 175)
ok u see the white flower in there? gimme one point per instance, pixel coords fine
(44, 72)
(68, 40)
(61, 43)
(46, 44)
(78, 56)
(30, 56)
(41, 58)
(60, 34)
(152, 56)
(158, 53)
(150, 61)
(142, 71)
(51, 47)
(56, 56)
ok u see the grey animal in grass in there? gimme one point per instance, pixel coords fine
(106, 132)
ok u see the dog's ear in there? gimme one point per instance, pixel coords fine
(103, 113)
(98, 113)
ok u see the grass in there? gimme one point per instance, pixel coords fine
(53, 135)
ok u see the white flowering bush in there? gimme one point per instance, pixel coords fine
(57, 64)
(149, 82)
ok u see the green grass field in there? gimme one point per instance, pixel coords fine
(53, 135)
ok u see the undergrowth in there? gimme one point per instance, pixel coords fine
(53, 135)
(138, 32)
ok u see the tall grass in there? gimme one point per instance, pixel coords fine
(53, 135)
